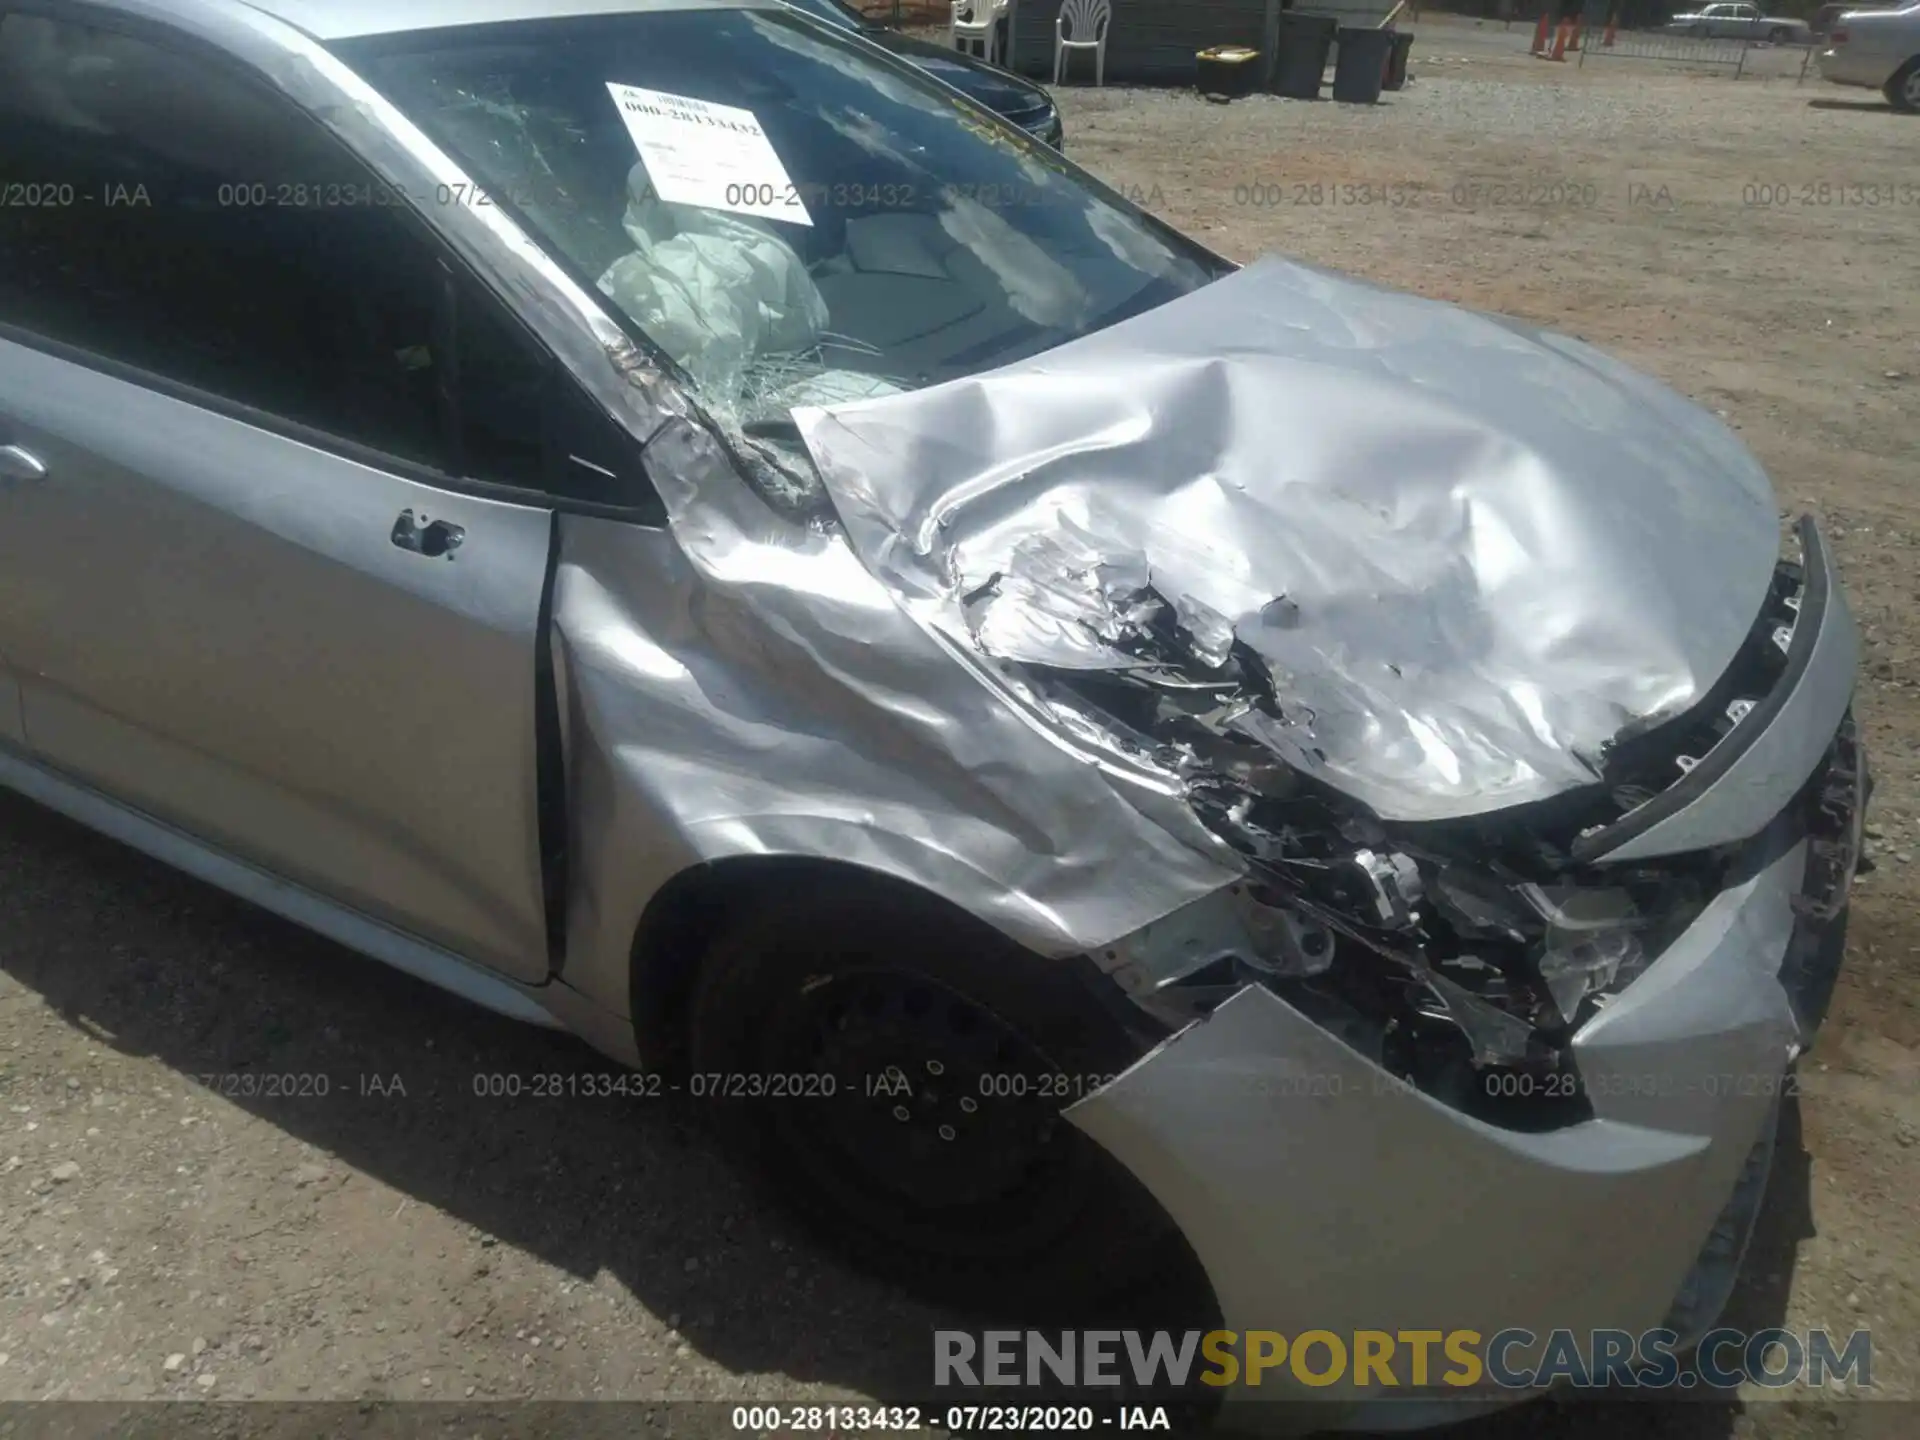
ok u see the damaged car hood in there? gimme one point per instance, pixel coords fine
(1452, 556)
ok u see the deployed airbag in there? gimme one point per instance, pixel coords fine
(717, 292)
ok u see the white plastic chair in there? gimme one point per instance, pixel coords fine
(973, 24)
(1086, 22)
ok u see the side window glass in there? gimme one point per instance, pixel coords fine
(505, 381)
(523, 421)
(594, 458)
(198, 227)
(191, 224)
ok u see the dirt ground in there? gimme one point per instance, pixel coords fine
(404, 1236)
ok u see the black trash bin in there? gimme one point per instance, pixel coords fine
(1361, 66)
(1397, 66)
(1302, 57)
(1226, 72)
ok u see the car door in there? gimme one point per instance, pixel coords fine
(258, 585)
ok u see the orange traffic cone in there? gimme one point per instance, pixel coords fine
(1560, 42)
(1540, 36)
(1606, 40)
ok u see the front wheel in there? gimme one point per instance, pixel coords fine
(1903, 91)
(931, 1146)
(1777, 35)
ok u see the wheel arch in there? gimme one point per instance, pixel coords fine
(691, 912)
(1897, 79)
(687, 914)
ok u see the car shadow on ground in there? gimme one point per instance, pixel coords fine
(136, 957)
(1870, 107)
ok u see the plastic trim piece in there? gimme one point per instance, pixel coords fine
(1752, 774)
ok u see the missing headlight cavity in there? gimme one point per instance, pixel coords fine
(1461, 956)
(1463, 981)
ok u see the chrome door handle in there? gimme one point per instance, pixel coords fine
(19, 463)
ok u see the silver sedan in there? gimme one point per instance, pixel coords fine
(1879, 50)
(1740, 22)
(662, 520)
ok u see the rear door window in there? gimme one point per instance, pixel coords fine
(169, 214)
(205, 232)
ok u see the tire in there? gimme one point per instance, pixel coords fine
(1777, 35)
(1903, 90)
(1005, 1202)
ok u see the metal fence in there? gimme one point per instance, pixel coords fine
(1762, 58)
(1659, 45)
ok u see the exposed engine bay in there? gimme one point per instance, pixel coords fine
(1415, 642)
(1460, 955)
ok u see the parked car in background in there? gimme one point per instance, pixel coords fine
(1077, 757)
(1827, 16)
(1006, 94)
(1740, 22)
(1878, 50)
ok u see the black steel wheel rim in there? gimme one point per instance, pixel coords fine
(944, 1121)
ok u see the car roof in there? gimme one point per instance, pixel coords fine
(346, 19)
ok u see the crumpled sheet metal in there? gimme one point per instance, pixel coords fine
(1469, 553)
(741, 686)
(1420, 1217)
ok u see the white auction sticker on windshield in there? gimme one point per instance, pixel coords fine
(714, 156)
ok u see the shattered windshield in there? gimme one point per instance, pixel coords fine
(790, 214)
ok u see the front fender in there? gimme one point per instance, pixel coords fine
(738, 685)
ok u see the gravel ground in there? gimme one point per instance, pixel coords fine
(404, 1237)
